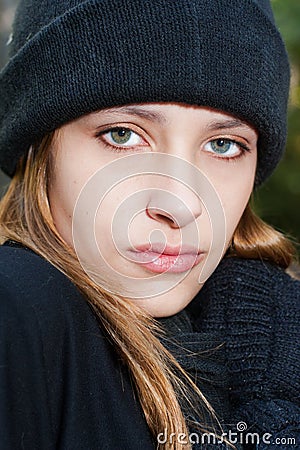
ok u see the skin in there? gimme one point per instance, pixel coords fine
(202, 137)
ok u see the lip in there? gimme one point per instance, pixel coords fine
(160, 258)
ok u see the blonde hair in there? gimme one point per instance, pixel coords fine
(255, 239)
(25, 217)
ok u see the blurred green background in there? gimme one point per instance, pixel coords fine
(278, 201)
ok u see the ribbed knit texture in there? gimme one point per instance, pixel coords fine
(203, 359)
(255, 308)
(72, 57)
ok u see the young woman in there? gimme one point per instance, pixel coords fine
(143, 304)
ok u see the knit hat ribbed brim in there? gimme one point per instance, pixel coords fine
(69, 58)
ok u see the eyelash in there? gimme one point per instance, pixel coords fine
(118, 148)
(244, 149)
(121, 148)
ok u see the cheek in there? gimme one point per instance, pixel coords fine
(64, 190)
(234, 201)
(234, 184)
(233, 211)
(120, 218)
(61, 209)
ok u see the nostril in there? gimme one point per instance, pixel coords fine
(160, 216)
(165, 218)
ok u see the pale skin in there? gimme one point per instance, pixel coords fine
(223, 147)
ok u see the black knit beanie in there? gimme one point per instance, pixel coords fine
(71, 57)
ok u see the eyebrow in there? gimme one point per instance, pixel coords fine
(226, 124)
(140, 112)
(156, 116)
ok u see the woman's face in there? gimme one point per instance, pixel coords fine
(149, 196)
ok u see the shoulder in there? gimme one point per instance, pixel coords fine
(38, 299)
(43, 313)
(24, 272)
(30, 281)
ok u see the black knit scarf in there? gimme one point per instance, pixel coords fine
(202, 356)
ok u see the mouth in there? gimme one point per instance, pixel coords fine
(160, 258)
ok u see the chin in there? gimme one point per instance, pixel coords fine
(160, 307)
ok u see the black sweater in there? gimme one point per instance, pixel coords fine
(62, 385)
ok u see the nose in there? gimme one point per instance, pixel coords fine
(176, 205)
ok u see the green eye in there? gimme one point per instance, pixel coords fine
(120, 135)
(225, 148)
(221, 145)
(122, 138)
